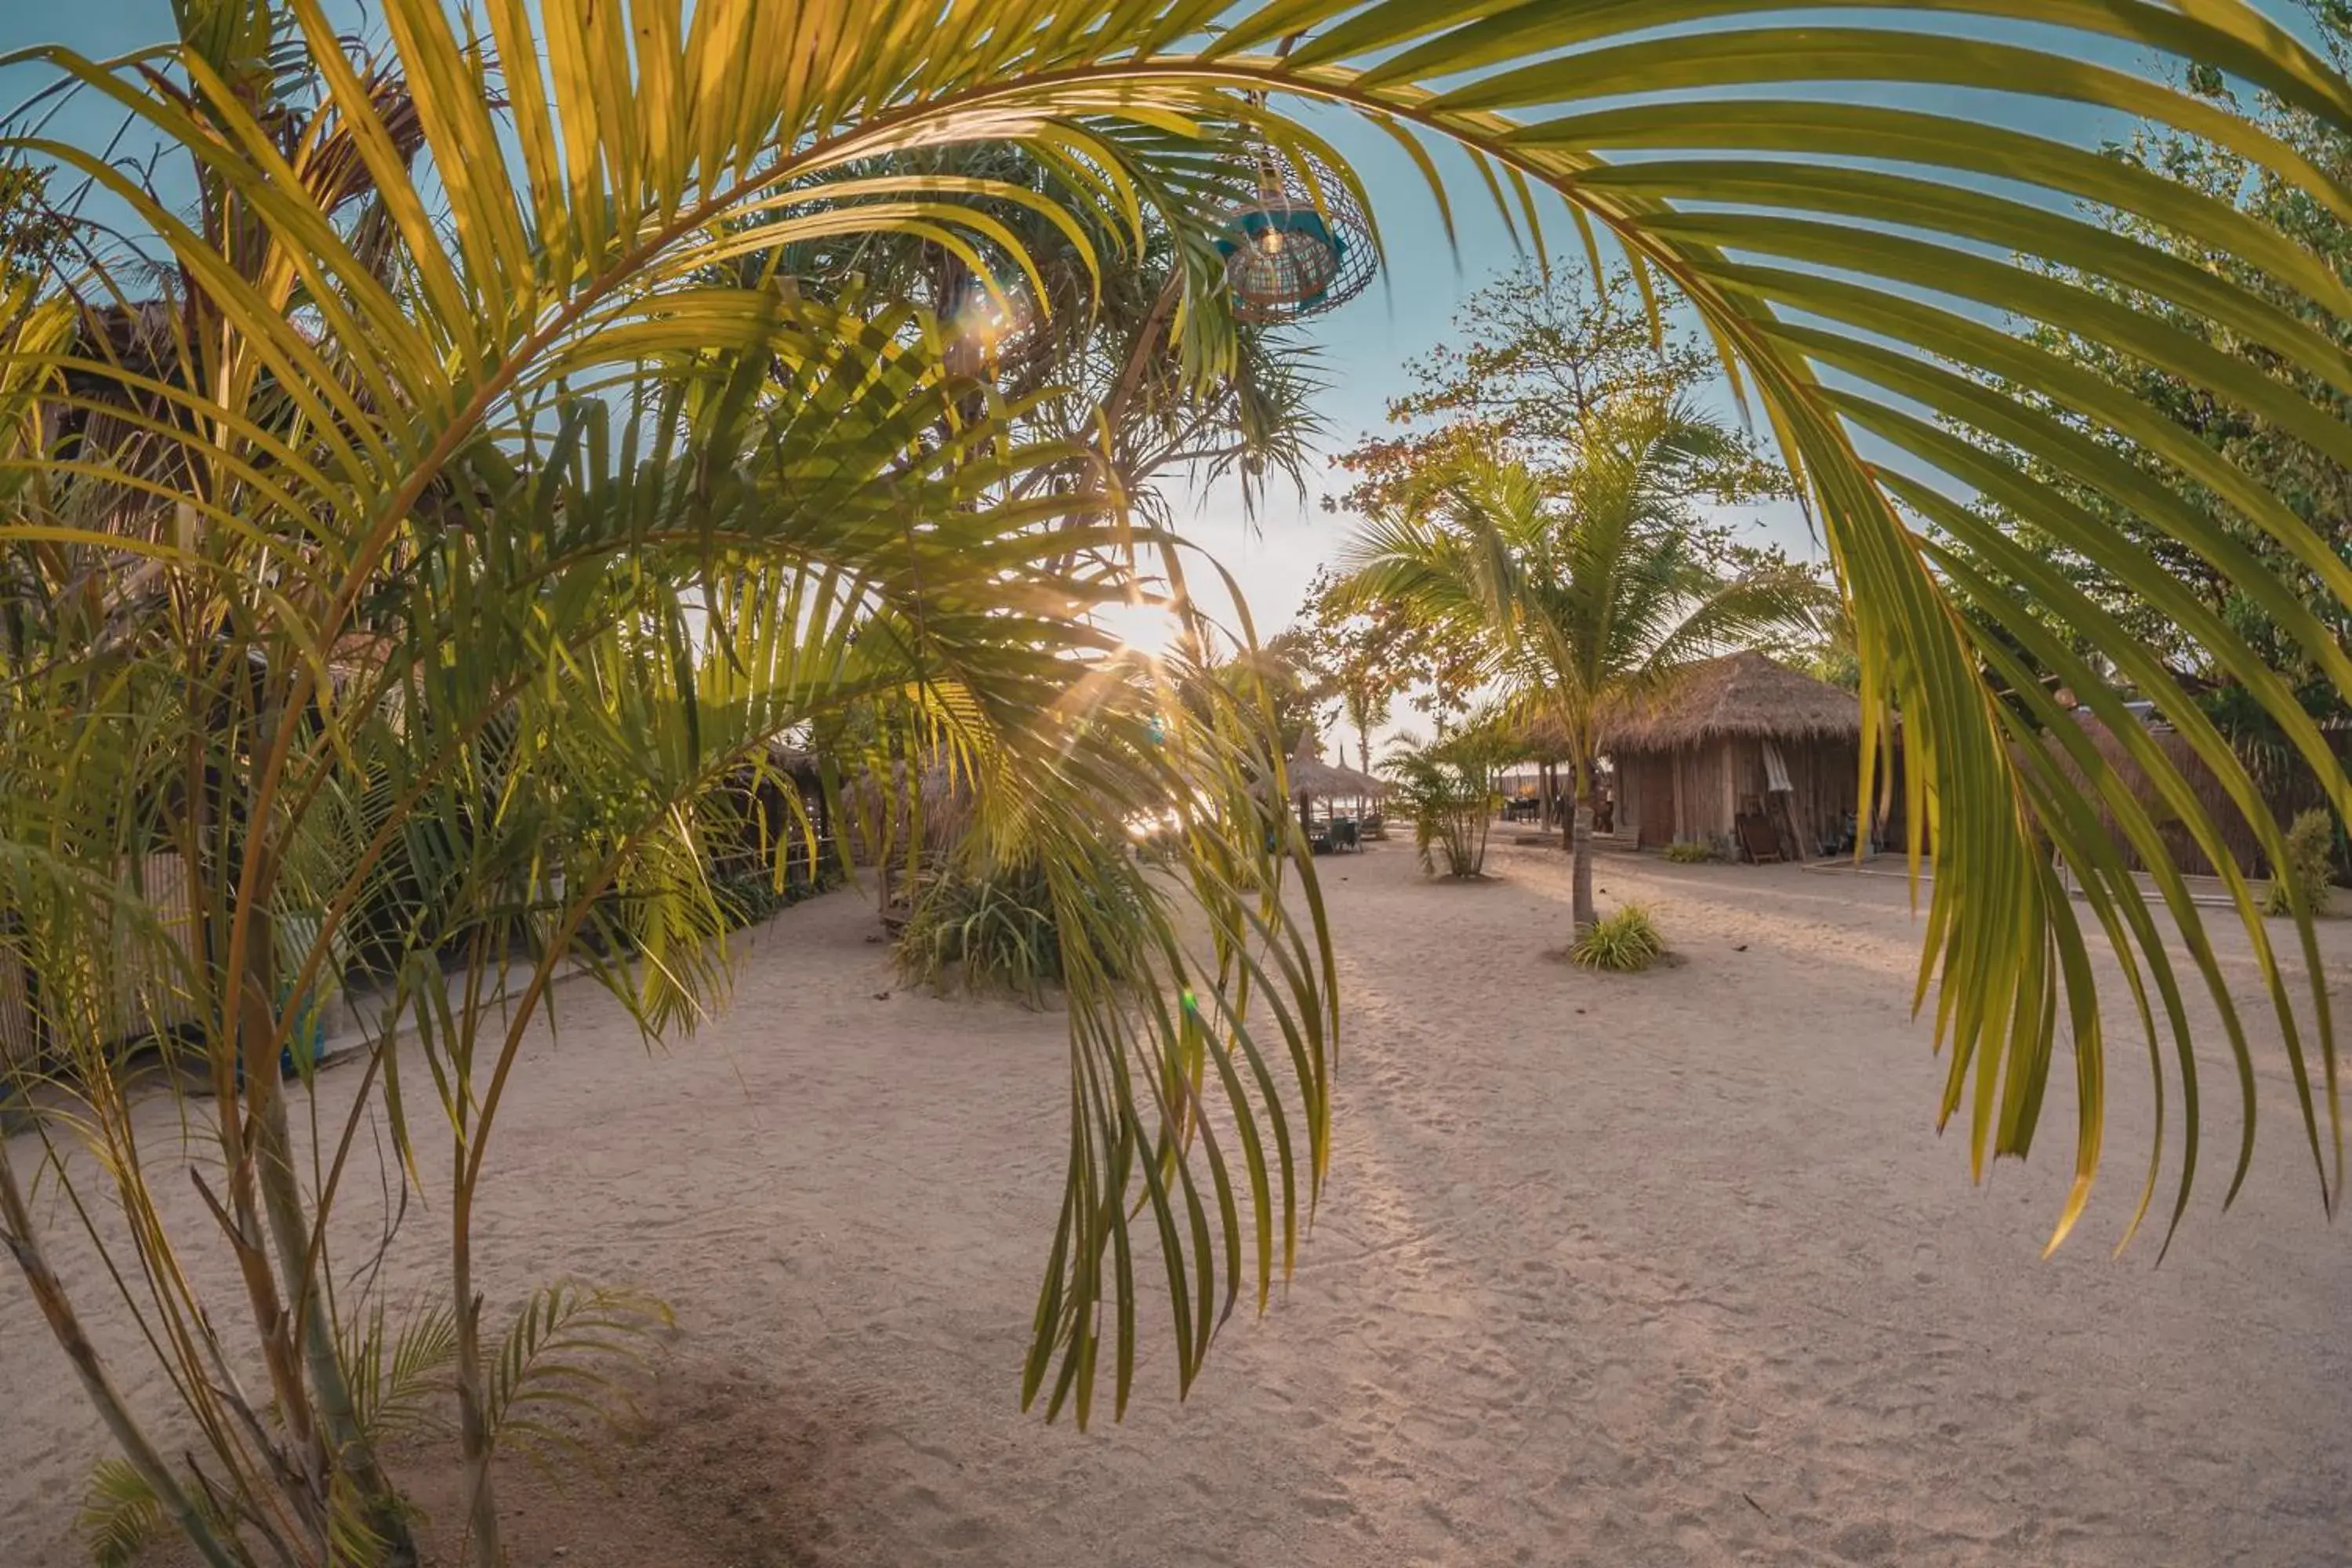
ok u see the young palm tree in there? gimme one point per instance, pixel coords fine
(1448, 786)
(1588, 588)
(500, 497)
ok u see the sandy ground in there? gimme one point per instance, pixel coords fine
(1668, 1269)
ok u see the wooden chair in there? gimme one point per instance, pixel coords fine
(1757, 839)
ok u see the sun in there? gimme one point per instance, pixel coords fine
(1148, 628)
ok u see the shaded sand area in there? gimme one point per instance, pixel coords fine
(1665, 1269)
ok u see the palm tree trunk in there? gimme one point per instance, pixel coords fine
(352, 1452)
(474, 1419)
(332, 1419)
(1581, 846)
(48, 1294)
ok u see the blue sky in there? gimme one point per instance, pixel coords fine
(1362, 348)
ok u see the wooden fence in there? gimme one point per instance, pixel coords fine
(138, 993)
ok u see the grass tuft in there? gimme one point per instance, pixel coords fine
(1624, 943)
(2309, 862)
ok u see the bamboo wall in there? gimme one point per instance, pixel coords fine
(2285, 799)
(1696, 792)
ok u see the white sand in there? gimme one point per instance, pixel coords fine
(1665, 1269)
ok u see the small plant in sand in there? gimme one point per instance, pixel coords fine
(1624, 943)
(2306, 867)
(1690, 853)
(1448, 786)
(555, 1370)
(1001, 930)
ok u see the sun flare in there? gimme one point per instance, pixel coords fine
(1148, 628)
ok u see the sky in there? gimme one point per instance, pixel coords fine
(1361, 349)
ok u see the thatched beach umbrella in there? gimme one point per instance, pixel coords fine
(1313, 779)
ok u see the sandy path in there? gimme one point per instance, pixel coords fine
(1614, 1270)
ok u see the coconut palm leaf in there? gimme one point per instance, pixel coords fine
(400, 1374)
(120, 1516)
(560, 1355)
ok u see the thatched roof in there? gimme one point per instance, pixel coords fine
(1311, 774)
(797, 761)
(878, 808)
(1540, 739)
(1742, 695)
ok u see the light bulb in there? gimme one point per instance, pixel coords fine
(1271, 242)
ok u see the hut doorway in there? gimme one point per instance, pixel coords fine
(1657, 804)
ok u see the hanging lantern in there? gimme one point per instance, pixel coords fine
(1289, 257)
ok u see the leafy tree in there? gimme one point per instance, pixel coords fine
(1584, 589)
(1282, 672)
(1533, 357)
(32, 232)
(1360, 659)
(1140, 368)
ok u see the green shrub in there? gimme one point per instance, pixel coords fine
(2309, 863)
(1690, 854)
(747, 898)
(1624, 941)
(748, 893)
(999, 929)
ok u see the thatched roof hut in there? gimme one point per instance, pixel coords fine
(1740, 751)
(880, 812)
(1311, 778)
(1741, 695)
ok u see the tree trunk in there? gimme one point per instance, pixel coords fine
(49, 1296)
(474, 1437)
(351, 1451)
(330, 1423)
(1581, 846)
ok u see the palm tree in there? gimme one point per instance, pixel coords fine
(502, 498)
(1448, 786)
(1588, 588)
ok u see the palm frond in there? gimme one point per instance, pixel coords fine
(121, 1516)
(400, 1376)
(560, 1356)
